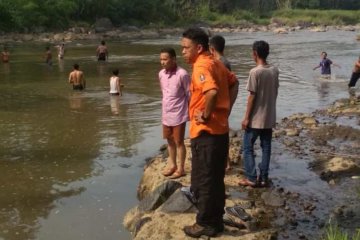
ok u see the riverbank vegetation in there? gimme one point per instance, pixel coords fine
(333, 232)
(40, 15)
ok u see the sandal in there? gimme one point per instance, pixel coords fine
(239, 212)
(177, 174)
(246, 182)
(168, 171)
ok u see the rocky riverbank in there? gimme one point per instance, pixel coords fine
(107, 32)
(327, 140)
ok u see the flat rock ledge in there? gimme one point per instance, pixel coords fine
(164, 209)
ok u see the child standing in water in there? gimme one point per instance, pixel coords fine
(325, 65)
(115, 84)
(48, 56)
(5, 55)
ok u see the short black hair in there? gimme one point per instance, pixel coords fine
(198, 36)
(76, 66)
(324, 53)
(115, 71)
(218, 42)
(262, 49)
(170, 51)
(102, 42)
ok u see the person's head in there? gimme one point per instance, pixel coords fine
(217, 43)
(47, 48)
(115, 71)
(5, 49)
(76, 66)
(167, 58)
(102, 42)
(261, 50)
(323, 55)
(194, 42)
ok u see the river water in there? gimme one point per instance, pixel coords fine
(71, 161)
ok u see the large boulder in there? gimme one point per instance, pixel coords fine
(159, 196)
(103, 25)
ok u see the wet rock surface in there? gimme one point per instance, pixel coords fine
(325, 146)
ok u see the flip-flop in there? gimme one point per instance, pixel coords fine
(233, 222)
(168, 171)
(176, 175)
(238, 212)
(246, 182)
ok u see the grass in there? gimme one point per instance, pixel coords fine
(318, 17)
(333, 232)
(289, 17)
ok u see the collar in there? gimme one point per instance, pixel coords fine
(171, 71)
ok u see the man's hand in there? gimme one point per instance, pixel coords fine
(199, 117)
(244, 124)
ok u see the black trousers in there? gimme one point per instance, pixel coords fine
(209, 155)
(354, 77)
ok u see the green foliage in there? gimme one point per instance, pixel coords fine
(320, 17)
(333, 232)
(29, 15)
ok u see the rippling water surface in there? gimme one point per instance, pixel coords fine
(71, 161)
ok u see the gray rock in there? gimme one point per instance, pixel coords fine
(273, 199)
(159, 196)
(178, 203)
(102, 25)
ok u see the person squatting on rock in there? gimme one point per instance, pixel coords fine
(355, 74)
(260, 116)
(174, 83)
(213, 89)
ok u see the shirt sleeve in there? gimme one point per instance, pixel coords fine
(203, 78)
(185, 83)
(231, 78)
(252, 83)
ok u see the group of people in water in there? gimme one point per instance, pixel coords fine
(205, 98)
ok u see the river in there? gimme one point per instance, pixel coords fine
(71, 161)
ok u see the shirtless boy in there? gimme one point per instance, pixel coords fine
(76, 78)
(5, 55)
(102, 52)
(48, 56)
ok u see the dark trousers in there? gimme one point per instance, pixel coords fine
(78, 87)
(209, 155)
(354, 77)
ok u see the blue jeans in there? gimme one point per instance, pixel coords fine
(250, 136)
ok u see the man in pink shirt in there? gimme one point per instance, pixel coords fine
(174, 82)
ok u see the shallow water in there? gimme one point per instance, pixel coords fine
(70, 166)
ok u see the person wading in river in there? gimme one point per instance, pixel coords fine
(77, 79)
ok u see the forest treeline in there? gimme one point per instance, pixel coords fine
(29, 15)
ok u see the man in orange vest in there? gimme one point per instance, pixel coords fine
(213, 92)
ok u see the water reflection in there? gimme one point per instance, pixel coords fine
(115, 104)
(61, 64)
(75, 100)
